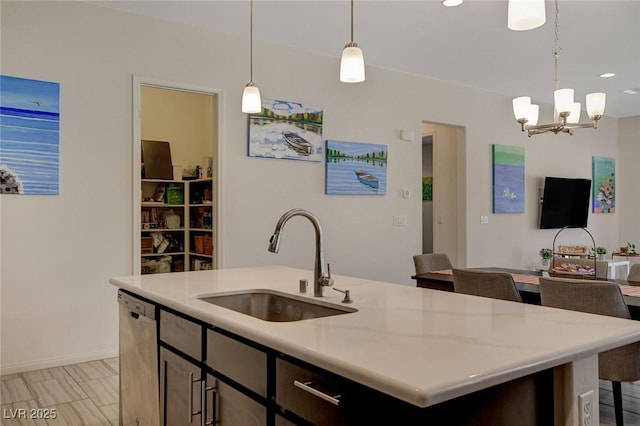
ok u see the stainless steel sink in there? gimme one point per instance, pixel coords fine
(269, 305)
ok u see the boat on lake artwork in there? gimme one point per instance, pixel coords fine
(298, 144)
(356, 168)
(286, 130)
(367, 179)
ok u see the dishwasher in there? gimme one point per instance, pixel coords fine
(139, 394)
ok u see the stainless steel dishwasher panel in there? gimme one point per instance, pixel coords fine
(139, 395)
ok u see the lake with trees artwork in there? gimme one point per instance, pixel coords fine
(356, 168)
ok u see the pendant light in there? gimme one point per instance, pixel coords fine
(567, 112)
(352, 61)
(251, 102)
(525, 15)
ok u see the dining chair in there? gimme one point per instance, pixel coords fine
(634, 273)
(431, 262)
(602, 298)
(496, 285)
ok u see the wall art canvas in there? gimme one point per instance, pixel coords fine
(604, 185)
(29, 136)
(427, 188)
(508, 179)
(356, 168)
(287, 130)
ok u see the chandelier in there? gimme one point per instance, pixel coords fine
(567, 112)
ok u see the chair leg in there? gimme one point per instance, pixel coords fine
(617, 402)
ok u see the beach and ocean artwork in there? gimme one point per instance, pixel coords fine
(604, 185)
(287, 130)
(356, 168)
(508, 179)
(29, 136)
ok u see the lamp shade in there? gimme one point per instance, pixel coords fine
(596, 103)
(251, 102)
(525, 15)
(521, 107)
(352, 64)
(574, 113)
(563, 100)
(532, 115)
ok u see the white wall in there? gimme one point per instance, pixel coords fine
(628, 181)
(58, 252)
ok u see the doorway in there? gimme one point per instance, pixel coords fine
(444, 216)
(187, 118)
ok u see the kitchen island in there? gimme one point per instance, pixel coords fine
(424, 354)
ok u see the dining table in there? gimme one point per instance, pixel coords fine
(528, 284)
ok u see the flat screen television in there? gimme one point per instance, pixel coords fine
(565, 202)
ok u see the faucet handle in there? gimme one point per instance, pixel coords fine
(327, 281)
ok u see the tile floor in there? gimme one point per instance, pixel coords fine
(82, 394)
(86, 394)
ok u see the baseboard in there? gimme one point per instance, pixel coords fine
(22, 367)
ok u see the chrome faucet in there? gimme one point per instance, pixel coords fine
(322, 278)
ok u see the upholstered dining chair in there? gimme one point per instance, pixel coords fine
(602, 298)
(497, 285)
(634, 274)
(431, 262)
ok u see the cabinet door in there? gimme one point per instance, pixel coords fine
(180, 390)
(229, 407)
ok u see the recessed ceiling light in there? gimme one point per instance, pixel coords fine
(631, 91)
(450, 3)
(607, 74)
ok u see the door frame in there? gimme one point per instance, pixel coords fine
(138, 82)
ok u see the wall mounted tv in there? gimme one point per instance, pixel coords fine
(565, 202)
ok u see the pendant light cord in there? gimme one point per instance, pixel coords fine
(351, 21)
(556, 52)
(251, 42)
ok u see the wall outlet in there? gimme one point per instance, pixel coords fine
(585, 403)
(484, 220)
(406, 193)
(399, 221)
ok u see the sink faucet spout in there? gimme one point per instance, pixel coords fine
(321, 278)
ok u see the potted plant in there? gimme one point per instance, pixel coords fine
(631, 248)
(601, 251)
(545, 254)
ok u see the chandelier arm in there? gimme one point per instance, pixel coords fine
(582, 125)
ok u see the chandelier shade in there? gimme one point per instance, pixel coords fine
(525, 15)
(595, 104)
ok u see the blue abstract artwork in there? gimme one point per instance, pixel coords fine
(356, 168)
(29, 136)
(508, 179)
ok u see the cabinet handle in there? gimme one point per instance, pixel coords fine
(191, 412)
(335, 400)
(203, 401)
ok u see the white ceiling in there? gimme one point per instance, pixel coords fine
(468, 45)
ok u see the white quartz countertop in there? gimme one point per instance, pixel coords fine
(421, 346)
